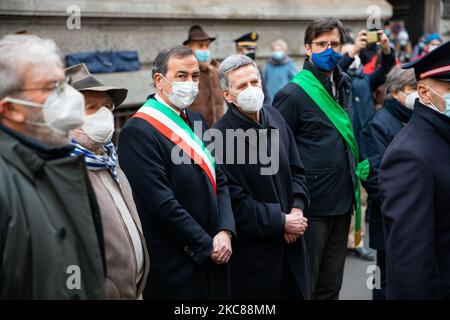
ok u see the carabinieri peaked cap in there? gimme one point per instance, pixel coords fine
(247, 40)
(434, 65)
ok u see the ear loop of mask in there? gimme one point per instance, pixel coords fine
(235, 96)
(167, 95)
(28, 104)
(24, 103)
(432, 104)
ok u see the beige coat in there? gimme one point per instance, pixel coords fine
(120, 255)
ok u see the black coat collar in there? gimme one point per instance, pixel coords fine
(428, 118)
(399, 111)
(27, 154)
(238, 120)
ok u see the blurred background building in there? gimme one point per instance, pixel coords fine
(151, 25)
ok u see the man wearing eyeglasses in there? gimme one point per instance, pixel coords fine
(51, 243)
(315, 105)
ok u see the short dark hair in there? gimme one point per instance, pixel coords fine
(161, 60)
(317, 27)
(347, 37)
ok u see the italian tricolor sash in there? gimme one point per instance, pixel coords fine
(341, 121)
(168, 123)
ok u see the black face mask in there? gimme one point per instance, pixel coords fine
(251, 55)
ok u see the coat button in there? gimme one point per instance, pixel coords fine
(62, 233)
(39, 173)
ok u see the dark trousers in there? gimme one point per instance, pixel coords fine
(380, 294)
(326, 240)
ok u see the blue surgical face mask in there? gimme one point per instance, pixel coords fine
(446, 98)
(447, 104)
(326, 60)
(202, 55)
(278, 55)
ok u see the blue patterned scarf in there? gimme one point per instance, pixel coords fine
(98, 162)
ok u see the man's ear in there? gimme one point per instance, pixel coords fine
(11, 112)
(423, 92)
(158, 79)
(227, 96)
(308, 50)
(395, 94)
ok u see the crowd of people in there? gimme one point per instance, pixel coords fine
(234, 182)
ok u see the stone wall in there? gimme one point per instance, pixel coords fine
(149, 26)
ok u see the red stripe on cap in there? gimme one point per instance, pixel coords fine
(434, 72)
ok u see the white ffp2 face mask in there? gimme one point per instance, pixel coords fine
(99, 126)
(183, 93)
(251, 99)
(410, 99)
(62, 112)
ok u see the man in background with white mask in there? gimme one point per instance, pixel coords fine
(127, 260)
(51, 242)
(270, 259)
(376, 135)
(184, 205)
(414, 188)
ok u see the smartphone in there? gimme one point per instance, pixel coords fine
(373, 37)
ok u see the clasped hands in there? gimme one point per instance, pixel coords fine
(295, 225)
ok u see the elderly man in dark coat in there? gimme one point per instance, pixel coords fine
(267, 190)
(376, 136)
(414, 187)
(181, 195)
(51, 239)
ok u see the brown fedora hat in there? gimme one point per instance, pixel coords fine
(81, 79)
(196, 33)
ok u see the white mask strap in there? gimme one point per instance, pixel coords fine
(23, 102)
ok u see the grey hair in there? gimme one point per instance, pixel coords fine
(161, 60)
(234, 62)
(398, 78)
(281, 43)
(20, 52)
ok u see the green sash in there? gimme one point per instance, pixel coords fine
(341, 121)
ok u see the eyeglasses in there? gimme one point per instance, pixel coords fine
(58, 87)
(324, 45)
(95, 106)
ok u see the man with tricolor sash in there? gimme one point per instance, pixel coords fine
(184, 205)
(316, 104)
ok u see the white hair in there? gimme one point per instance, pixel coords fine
(234, 62)
(21, 52)
(281, 43)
